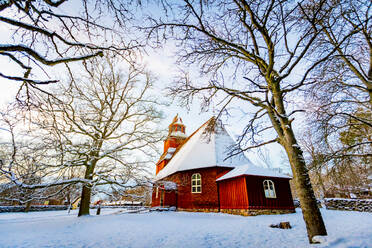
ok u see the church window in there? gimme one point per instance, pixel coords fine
(269, 189)
(196, 183)
(157, 192)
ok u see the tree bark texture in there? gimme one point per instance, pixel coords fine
(86, 193)
(310, 211)
(85, 200)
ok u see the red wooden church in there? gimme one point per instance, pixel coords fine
(193, 174)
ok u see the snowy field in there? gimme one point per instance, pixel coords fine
(176, 229)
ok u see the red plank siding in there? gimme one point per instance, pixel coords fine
(233, 194)
(256, 194)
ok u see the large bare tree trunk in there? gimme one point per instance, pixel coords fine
(85, 201)
(86, 193)
(310, 211)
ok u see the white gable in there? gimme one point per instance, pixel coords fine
(204, 150)
(250, 169)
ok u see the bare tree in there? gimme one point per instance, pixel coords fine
(347, 28)
(103, 123)
(339, 154)
(265, 43)
(25, 164)
(340, 100)
(47, 33)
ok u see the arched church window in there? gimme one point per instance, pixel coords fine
(269, 189)
(196, 186)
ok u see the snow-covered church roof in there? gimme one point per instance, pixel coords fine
(205, 149)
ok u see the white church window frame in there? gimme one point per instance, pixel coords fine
(196, 183)
(269, 189)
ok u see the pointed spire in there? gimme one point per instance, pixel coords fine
(175, 119)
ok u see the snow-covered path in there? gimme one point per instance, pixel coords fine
(177, 229)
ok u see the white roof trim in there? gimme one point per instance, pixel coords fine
(249, 169)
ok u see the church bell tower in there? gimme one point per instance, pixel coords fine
(176, 137)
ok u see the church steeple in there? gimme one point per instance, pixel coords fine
(176, 137)
(177, 128)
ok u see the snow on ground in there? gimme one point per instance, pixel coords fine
(177, 229)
